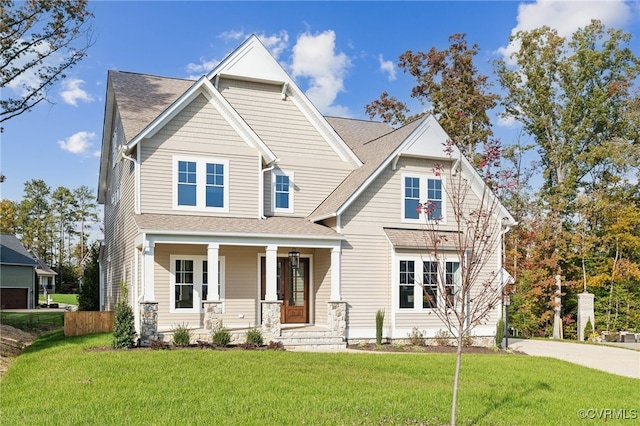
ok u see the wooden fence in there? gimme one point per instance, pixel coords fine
(87, 322)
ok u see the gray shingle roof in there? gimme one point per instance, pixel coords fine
(12, 252)
(416, 238)
(208, 225)
(141, 98)
(373, 154)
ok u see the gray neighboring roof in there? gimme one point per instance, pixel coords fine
(12, 252)
(141, 98)
(43, 269)
(373, 154)
(208, 225)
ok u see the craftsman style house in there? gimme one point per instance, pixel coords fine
(231, 200)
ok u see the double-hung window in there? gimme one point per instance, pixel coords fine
(282, 192)
(425, 191)
(429, 287)
(201, 184)
(190, 282)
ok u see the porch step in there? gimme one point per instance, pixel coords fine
(311, 340)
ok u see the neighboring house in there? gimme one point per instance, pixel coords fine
(46, 277)
(231, 200)
(18, 279)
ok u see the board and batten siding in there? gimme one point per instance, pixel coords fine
(198, 131)
(300, 148)
(367, 281)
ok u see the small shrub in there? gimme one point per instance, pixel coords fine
(468, 340)
(124, 330)
(416, 337)
(499, 332)
(379, 323)
(221, 337)
(588, 329)
(254, 336)
(442, 338)
(181, 336)
(275, 346)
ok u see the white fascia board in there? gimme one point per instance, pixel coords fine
(218, 101)
(238, 239)
(173, 109)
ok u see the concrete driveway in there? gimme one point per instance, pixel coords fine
(620, 361)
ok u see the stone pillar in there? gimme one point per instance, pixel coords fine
(337, 318)
(212, 314)
(271, 325)
(557, 319)
(585, 313)
(148, 322)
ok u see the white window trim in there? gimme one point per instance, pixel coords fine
(197, 282)
(201, 178)
(290, 175)
(417, 286)
(424, 178)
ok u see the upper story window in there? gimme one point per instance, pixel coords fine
(201, 184)
(281, 192)
(422, 190)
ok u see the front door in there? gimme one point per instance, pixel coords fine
(292, 286)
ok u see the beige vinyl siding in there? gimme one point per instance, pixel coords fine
(317, 168)
(120, 229)
(367, 281)
(321, 285)
(198, 131)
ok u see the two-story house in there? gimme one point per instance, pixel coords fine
(231, 200)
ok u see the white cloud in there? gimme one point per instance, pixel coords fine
(77, 143)
(566, 17)
(387, 67)
(315, 58)
(205, 65)
(72, 92)
(232, 35)
(30, 78)
(276, 43)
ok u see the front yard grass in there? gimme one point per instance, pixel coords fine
(67, 299)
(61, 380)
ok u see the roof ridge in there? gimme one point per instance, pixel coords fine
(151, 75)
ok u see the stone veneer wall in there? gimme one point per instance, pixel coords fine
(271, 325)
(337, 318)
(148, 322)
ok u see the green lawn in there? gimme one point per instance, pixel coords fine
(69, 299)
(57, 381)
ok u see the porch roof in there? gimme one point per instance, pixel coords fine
(210, 225)
(402, 238)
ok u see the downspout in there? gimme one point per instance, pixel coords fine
(269, 167)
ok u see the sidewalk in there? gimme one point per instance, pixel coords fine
(623, 362)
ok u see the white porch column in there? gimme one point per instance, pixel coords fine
(271, 271)
(336, 268)
(212, 272)
(148, 271)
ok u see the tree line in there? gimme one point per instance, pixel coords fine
(56, 225)
(575, 100)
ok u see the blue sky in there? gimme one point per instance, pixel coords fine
(343, 54)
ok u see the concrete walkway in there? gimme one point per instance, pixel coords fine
(620, 361)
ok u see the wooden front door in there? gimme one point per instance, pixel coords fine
(292, 286)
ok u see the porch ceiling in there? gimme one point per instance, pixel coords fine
(280, 226)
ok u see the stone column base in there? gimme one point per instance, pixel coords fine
(271, 325)
(337, 318)
(212, 315)
(148, 322)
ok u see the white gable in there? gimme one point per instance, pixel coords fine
(429, 141)
(252, 61)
